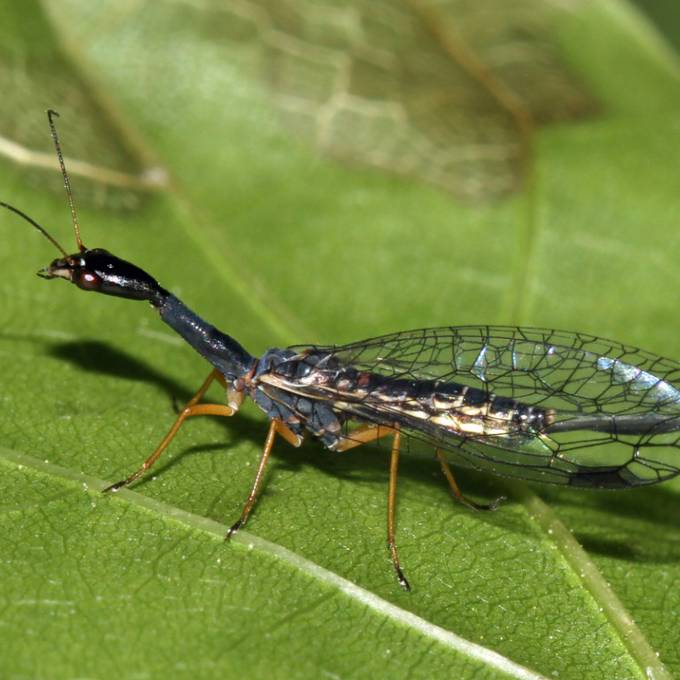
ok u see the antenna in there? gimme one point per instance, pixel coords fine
(30, 220)
(51, 114)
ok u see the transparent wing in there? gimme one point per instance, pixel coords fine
(614, 410)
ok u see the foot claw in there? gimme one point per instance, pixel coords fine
(494, 504)
(234, 528)
(114, 487)
(484, 507)
(403, 582)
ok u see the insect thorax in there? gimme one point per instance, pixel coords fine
(278, 367)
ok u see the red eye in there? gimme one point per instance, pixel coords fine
(89, 281)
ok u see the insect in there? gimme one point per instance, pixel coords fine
(539, 405)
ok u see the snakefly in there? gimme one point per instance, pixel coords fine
(539, 405)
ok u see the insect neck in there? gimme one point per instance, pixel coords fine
(221, 350)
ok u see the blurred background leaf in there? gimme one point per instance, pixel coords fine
(277, 243)
(663, 13)
(446, 92)
(37, 78)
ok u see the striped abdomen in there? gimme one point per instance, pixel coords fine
(458, 408)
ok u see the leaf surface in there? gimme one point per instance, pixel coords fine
(276, 246)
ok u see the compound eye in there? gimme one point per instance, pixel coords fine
(89, 281)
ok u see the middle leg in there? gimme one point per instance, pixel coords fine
(370, 433)
(391, 510)
(275, 427)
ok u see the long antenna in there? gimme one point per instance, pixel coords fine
(67, 183)
(30, 220)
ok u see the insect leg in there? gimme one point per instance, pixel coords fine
(214, 375)
(362, 435)
(275, 427)
(192, 408)
(455, 489)
(391, 509)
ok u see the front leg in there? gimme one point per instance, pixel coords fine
(192, 408)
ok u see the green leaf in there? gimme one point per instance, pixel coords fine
(665, 17)
(276, 245)
(445, 92)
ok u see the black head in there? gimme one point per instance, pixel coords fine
(92, 269)
(100, 271)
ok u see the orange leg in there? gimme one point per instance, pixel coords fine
(275, 427)
(363, 435)
(455, 489)
(370, 433)
(391, 509)
(192, 408)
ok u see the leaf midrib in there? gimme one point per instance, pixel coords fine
(94, 486)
